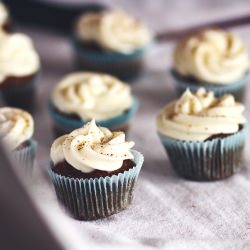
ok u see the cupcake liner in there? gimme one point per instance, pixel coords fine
(25, 157)
(91, 199)
(22, 96)
(209, 160)
(237, 88)
(67, 124)
(124, 66)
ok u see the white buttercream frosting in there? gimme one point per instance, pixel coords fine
(4, 15)
(92, 95)
(213, 56)
(198, 116)
(16, 126)
(113, 30)
(92, 148)
(17, 56)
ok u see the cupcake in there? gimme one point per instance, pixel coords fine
(16, 131)
(204, 136)
(94, 171)
(4, 18)
(214, 59)
(82, 96)
(111, 41)
(19, 67)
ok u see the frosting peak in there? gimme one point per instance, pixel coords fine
(91, 147)
(16, 126)
(198, 116)
(92, 95)
(213, 56)
(113, 30)
(17, 56)
(4, 15)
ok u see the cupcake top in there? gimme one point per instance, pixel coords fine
(199, 116)
(92, 148)
(4, 15)
(113, 30)
(212, 56)
(91, 95)
(18, 57)
(16, 126)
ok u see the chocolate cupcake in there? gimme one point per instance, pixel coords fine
(16, 132)
(112, 42)
(204, 136)
(94, 171)
(82, 96)
(19, 65)
(214, 59)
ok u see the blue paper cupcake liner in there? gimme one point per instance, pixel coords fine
(208, 160)
(22, 96)
(125, 66)
(91, 199)
(25, 157)
(237, 89)
(67, 124)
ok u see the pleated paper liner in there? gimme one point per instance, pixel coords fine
(126, 67)
(92, 199)
(64, 124)
(210, 160)
(237, 89)
(25, 157)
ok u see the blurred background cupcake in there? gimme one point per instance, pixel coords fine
(19, 68)
(111, 41)
(204, 136)
(16, 131)
(4, 18)
(214, 59)
(101, 167)
(82, 96)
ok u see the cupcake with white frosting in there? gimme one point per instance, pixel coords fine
(19, 67)
(82, 96)
(94, 171)
(16, 133)
(111, 41)
(204, 136)
(214, 59)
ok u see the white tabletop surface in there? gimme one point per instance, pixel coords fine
(167, 212)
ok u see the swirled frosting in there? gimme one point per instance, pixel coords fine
(113, 30)
(92, 95)
(213, 56)
(92, 148)
(16, 126)
(17, 56)
(196, 117)
(4, 15)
